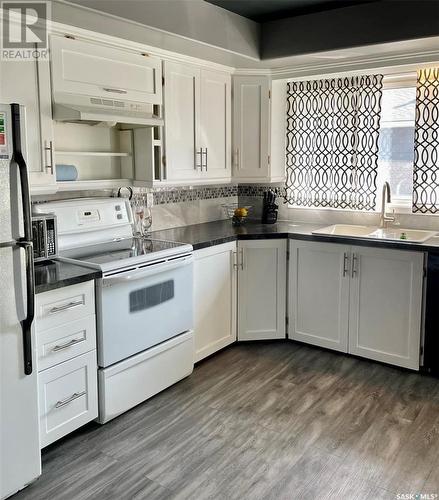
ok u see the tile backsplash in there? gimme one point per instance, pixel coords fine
(181, 194)
(185, 205)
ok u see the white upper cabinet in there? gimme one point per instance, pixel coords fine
(215, 124)
(262, 289)
(319, 294)
(182, 104)
(81, 68)
(385, 305)
(197, 110)
(251, 118)
(28, 84)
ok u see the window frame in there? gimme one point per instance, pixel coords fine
(400, 205)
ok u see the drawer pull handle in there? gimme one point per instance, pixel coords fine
(69, 305)
(71, 398)
(68, 344)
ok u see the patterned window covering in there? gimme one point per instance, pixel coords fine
(332, 142)
(426, 164)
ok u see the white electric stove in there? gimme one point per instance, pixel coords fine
(144, 303)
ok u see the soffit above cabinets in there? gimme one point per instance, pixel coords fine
(284, 28)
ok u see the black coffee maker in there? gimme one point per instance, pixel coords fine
(269, 208)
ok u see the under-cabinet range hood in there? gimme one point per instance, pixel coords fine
(70, 108)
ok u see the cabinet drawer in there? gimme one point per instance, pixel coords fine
(63, 305)
(67, 397)
(65, 342)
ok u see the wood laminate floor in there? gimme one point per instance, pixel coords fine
(260, 421)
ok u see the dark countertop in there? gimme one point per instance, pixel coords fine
(55, 274)
(217, 232)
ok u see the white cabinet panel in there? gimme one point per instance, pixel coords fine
(214, 298)
(261, 289)
(215, 124)
(66, 341)
(251, 118)
(91, 69)
(28, 84)
(182, 103)
(385, 305)
(362, 300)
(62, 305)
(319, 294)
(197, 124)
(68, 397)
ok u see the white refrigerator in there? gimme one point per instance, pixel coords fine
(20, 459)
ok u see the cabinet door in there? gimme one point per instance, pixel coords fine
(251, 118)
(93, 70)
(183, 158)
(214, 298)
(261, 289)
(319, 294)
(215, 124)
(28, 84)
(385, 305)
(68, 397)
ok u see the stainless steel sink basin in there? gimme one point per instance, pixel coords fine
(375, 233)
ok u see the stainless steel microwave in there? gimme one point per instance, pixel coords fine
(44, 236)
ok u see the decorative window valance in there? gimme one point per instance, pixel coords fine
(332, 142)
(426, 163)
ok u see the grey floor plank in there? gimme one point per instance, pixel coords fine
(260, 421)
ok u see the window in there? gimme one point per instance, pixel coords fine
(324, 169)
(396, 143)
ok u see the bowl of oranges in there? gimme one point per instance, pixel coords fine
(236, 213)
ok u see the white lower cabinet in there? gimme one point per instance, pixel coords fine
(386, 305)
(65, 326)
(68, 396)
(319, 294)
(261, 289)
(361, 300)
(214, 298)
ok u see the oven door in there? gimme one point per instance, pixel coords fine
(141, 308)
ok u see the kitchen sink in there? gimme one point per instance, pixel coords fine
(345, 230)
(376, 233)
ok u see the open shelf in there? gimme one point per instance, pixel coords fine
(92, 153)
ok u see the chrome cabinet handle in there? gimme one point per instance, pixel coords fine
(68, 400)
(115, 91)
(68, 344)
(205, 165)
(354, 265)
(196, 166)
(237, 162)
(50, 149)
(345, 264)
(242, 259)
(69, 305)
(235, 260)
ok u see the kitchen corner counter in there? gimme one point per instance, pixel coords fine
(214, 233)
(56, 274)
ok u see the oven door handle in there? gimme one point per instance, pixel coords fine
(139, 273)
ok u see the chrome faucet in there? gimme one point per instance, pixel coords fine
(386, 198)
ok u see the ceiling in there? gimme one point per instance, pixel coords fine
(269, 10)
